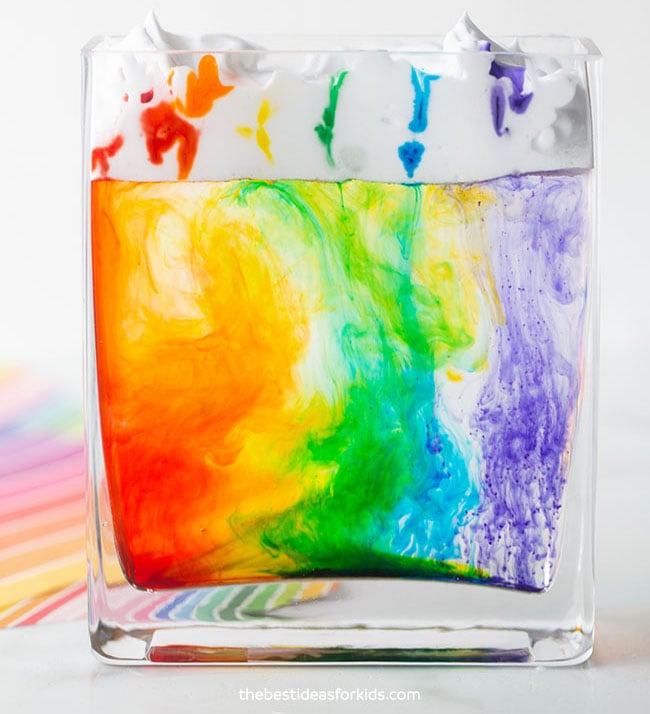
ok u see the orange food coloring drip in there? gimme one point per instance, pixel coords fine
(203, 89)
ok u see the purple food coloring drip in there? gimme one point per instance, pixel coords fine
(498, 105)
(517, 100)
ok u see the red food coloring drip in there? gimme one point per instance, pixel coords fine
(163, 128)
(146, 97)
(125, 97)
(101, 154)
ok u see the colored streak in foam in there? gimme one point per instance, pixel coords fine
(325, 130)
(272, 365)
(101, 154)
(203, 89)
(517, 99)
(422, 87)
(261, 135)
(498, 108)
(410, 154)
(162, 129)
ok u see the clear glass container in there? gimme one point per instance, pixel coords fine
(341, 352)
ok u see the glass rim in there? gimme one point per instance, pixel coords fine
(406, 45)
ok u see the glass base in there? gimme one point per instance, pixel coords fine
(433, 646)
(349, 622)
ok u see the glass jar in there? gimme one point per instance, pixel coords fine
(341, 345)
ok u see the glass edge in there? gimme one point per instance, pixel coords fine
(91, 46)
(94, 565)
(595, 84)
(586, 48)
(592, 50)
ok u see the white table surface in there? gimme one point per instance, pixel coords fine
(50, 669)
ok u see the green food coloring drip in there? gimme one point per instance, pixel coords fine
(325, 130)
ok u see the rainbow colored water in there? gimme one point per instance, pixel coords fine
(301, 379)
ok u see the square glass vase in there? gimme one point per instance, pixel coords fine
(341, 352)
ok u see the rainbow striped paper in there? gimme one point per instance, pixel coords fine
(42, 539)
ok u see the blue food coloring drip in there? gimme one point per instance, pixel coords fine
(410, 154)
(422, 85)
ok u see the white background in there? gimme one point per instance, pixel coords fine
(40, 250)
